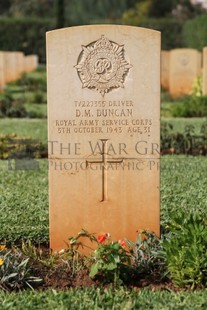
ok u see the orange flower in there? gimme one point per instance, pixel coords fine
(2, 247)
(102, 237)
(122, 243)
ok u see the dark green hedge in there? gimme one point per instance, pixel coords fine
(171, 31)
(28, 34)
(25, 34)
(195, 32)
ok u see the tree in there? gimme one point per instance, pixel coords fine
(161, 8)
(4, 6)
(38, 8)
(143, 9)
(60, 11)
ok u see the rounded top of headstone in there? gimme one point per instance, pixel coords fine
(104, 26)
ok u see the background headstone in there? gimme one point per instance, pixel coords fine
(2, 74)
(10, 66)
(104, 131)
(31, 63)
(185, 67)
(20, 61)
(205, 71)
(165, 62)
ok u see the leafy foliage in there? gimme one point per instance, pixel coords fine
(15, 147)
(10, 106)
(193, 106)
(194, 32)
(15, 272)
(120, 261)
(185, 249)
(29, 34)
(34, 81)
(24, 97)
(149, 259)
(111, 259)
(187, 142)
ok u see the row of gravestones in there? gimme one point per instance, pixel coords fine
(14, 64)
(180, 68)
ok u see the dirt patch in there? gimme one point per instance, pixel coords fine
(62, 277)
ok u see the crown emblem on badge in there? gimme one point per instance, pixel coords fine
(102, 66)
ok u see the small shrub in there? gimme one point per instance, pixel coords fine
(193, 106)
(149, 257)
(39, 97)
(10, 106)
(121, 261)
(194, 33)
(34, 82)
(185, 249)
(111, 260)
(15, 147)
(15, 272)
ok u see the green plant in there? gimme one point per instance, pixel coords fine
(197, 86)
(14, 147)
(110, 260)
(15, 272)
(29, 34)
(185, 249)
(149, 257)
(11, 106)
(188, 142)
(194, 32)
(193, 106)
(39, 97)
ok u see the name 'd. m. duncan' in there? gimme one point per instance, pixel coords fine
(104, 113)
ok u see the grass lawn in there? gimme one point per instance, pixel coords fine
(25, 211)
(180, 123)
(37, 128)
(24, 195)
(76, 299)
(24, 207)
(32, 128)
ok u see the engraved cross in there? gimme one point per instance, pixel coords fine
(104, 163)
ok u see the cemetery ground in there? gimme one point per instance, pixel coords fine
(171, 274)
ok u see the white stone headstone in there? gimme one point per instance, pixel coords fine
(104, 131)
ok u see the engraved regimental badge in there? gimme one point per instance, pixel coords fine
(102, 65)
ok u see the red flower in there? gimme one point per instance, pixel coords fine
(102, 238)
(122, 243)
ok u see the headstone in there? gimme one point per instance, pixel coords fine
(10, 66)
(31, 63)
(205, 71)
(2, 77)
(185, 67)
(165, 62)
(20, 61)
(104, 129)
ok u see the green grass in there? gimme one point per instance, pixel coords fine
(32, 128)
(24, 195)
(91, 298)
(180, 123)
(37, 128)
(183, 184)
(23, 203)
